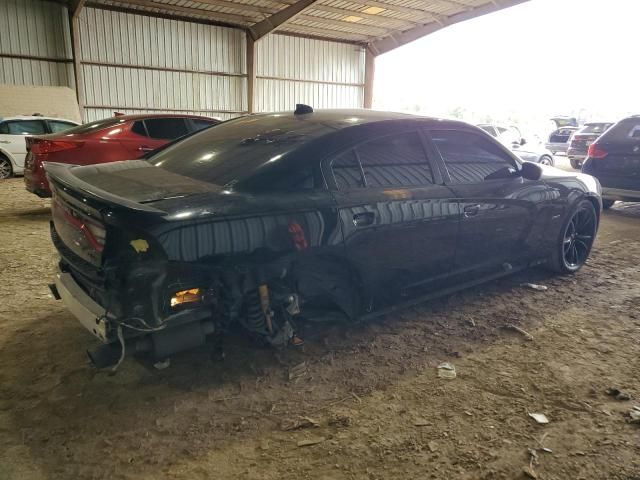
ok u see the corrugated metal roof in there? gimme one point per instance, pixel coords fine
(357, 21)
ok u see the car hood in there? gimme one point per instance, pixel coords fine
(551, 174)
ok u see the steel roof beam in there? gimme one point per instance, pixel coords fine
(75, 6)
(279, 18)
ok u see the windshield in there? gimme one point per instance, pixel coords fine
(235, 150)
(595, 127)
(96, 125)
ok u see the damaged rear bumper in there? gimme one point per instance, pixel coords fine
(90, 314)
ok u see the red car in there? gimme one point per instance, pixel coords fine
(125, 137)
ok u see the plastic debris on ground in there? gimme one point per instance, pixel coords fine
(539, 418)
(535, 286)
(446, 370)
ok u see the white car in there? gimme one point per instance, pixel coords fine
(13, 131)
(529, 149)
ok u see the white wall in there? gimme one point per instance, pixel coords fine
(294, 70)
(33, 28)
(133, 64)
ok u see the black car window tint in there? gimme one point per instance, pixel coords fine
(469, 157)
(27, 127)
(166, 128)
(56, 126)
(347, 171)
(4, 128)
(139, 128)
(395, 161)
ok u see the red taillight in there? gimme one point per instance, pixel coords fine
(596, 152)
(39, 146)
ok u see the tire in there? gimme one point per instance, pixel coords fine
(575, 240)
(6, 169)
(546, 160)
(575, 164)
(607, 204)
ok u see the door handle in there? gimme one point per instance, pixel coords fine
(363, 219)
(144, 148)
(4, 141)
(471, 210)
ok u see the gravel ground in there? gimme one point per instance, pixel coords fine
(365, 397)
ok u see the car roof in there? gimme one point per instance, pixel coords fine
(36, 117)
(344, 118)
(143, 116)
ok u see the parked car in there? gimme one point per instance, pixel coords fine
(117, 138)
(559, 140)
(12, 134)
(507, 135)
(272, 219)
(531, 149)
(614, 159)
(580, 141)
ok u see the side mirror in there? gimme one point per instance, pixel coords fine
(523, 142)
(531, 171)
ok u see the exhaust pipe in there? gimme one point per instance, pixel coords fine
(161, 344)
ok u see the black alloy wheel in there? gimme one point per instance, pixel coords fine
(576, 239)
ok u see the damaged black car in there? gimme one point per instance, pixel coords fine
(267, 221)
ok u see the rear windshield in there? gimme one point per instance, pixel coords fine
(96, 125)
(235, 150)
(595, 127)
(626, 130)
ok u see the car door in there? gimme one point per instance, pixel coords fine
(398, 221)
(12, 138)
(502, 213)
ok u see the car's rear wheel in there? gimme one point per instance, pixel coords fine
(6, 170)
(546, 160)
(607, 204)
(575, 163)
(576, 239)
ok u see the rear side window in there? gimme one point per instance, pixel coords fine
(196, 124)
(627, 130)
(347, 171)
(139, 128)
(57, 126)
(26, 127)
(469, 157)
(395, 161)
(166, 128)
(4, 128)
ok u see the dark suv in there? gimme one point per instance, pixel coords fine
(614, 159)
(581, 140)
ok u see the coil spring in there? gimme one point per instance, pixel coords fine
(255, 321)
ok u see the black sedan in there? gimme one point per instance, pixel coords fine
(269, 220)
(614, 159)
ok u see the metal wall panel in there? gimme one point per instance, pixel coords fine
(294, 70)
(33, 28)
(135, 64)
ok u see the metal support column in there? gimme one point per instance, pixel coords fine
(369, 74)
(251, 73)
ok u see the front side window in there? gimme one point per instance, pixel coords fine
(469, 157)
(395, 161)
(139, 129)
(26, 127)
(58, 126)
(166, 128)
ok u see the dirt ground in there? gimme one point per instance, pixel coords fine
(372, 390)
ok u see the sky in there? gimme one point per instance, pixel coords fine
(524, 64)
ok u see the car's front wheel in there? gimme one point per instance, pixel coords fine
(576, 239)
(546, 160)
(6, 170)
(575, 163)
